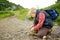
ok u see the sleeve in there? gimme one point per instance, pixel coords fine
(40, 22)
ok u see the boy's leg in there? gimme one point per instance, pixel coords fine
(42, 32)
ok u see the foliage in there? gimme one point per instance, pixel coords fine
(6, 5)
(58, 1)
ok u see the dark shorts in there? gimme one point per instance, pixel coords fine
(42, 32)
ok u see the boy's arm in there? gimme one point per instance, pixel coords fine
(40, 22)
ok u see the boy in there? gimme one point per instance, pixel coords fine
(42, 22)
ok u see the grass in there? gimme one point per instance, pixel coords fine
(58, 21)
(22, 14)
(4, 14)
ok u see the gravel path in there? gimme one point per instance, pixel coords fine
(13, 29)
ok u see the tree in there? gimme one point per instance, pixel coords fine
(6, 5)
(58, 1)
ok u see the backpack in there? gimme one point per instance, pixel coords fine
(53, 13)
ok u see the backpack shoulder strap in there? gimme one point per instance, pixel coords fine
(37, 11)
(36, 16)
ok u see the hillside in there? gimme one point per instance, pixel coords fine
(6, 5)
(55, 6)
(8, 9)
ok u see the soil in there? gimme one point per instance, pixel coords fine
(13, 29)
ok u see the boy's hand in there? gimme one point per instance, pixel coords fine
(32, 29)
(32, 32)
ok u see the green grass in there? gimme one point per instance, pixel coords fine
(22, 14)
(58, 21)
(4, 14)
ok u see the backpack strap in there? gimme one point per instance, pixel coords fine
(36, 17)
(37, 11)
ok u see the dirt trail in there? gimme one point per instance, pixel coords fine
(13, 29)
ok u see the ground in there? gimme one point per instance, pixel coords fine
(13, 29)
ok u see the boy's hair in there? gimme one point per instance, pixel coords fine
(31, 11)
